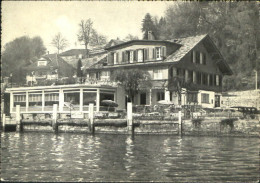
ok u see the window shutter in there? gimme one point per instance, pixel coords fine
(163, 54)
(153, 53)
(147, 53)
(135, 55)
(123, 56)
(204, 58)
(117, 57)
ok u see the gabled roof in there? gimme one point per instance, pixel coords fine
(189, 43)
(132, 42)
(113, 42)
(185, 46)
(53, 61)
(73, 52)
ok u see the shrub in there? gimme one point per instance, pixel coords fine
(197, 122)
(228, 122)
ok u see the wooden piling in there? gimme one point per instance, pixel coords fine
(18, 119)
(180, 123)
(4, 122)
(91, 118)
(54, 118)
(130, 128)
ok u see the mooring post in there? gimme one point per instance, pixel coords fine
(180, 123)
(91, 118)
(130, 128)
(18, 118)
(4, 122)
(54, 118)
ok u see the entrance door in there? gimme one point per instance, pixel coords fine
(217, 100)
(143, 99)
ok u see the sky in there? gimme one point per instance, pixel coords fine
(47, 18)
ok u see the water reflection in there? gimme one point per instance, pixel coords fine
(81, 157)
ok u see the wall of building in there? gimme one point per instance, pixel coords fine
(249, 98)
(211, 103)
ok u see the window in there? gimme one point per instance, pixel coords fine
(35, 99)
(42, 63)
(217, 80)
(204, 59)
(220, 80)
(89, 97)
(106, 96)
(51, 98)
(197, 57)
(140, 55)
(193, 57)
(192, 97)
(105, 75)
(211, 80)
(160, 96)
(205, 98)
(158, 53)
(71, 97)
(205, 79)
(20, 99)
(146, 54)
(190, 76)
(198, 75)
(158, 74)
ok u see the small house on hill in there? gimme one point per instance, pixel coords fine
(48, 67)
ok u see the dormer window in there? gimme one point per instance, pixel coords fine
(42, 63)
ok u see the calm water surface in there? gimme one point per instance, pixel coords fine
(81, 157)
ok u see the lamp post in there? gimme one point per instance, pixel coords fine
(255, 79)
(11, 76)
(32, 78)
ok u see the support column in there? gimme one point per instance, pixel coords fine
(18, 118)
(180, 123)
(91, 118)
(186, 75)
(27, 101)
(194, 78)
(81, 100)
(4, 122)
(130, 128)
(167, 94)
(43, 100)
(54, 118)
(98, 100)
(150, 96)
(61, 100)
(11, 102)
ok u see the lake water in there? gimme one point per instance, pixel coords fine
(80, 157)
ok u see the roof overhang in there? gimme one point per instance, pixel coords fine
(132, 42)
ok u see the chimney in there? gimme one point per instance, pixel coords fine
(150, 35)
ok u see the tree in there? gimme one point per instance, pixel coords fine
(132, 80)
(130, 37)
(59, 42)
(19, 53)
(148, 25)
(89, 36)
(79, 70)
